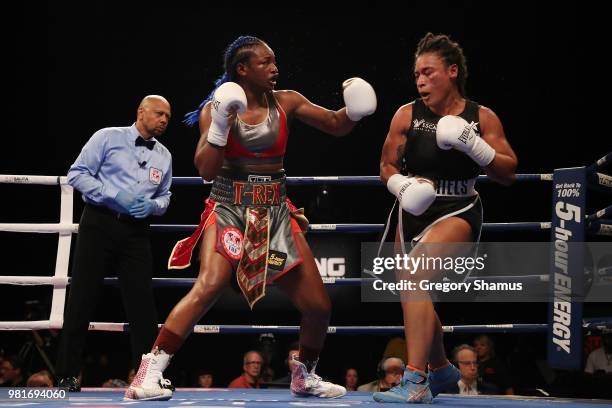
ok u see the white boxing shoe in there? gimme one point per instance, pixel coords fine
(305, 384)
(149, 384)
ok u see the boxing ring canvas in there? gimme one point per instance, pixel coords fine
(261, 398)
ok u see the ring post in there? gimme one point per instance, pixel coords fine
(567, 268)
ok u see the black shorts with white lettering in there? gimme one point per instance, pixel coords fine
(467, 208)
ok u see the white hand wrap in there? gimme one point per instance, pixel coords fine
(414, 194)
(455, 132)
(228, 96)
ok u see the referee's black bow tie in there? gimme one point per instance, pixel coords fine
(146, 143)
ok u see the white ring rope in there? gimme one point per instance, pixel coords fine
(68, 228)
(604, 180)
(71, 228)
(43, 180)
(236, 329)
(587, 324)
(34, 280)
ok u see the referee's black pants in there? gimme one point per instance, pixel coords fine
(106, 243)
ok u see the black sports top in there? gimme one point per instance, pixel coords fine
(453, 172)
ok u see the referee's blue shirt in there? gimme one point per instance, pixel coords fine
(110, 161)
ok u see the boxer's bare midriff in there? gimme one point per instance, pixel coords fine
(255, 168)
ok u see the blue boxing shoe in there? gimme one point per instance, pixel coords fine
(414, 388)
(442, 378)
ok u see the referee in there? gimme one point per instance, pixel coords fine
(124, 175)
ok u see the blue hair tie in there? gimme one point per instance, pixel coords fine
(193, 117)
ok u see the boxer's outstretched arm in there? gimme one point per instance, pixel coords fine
(502, 168)
(335, 123)
(359, 97)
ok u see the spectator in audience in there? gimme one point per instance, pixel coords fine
(389, 372)
(599, 361)
(251, 371)
(11, 373)
(40, 379)
(597, 377)
(204, 379)
(396, 347)
(351, 379)
(465, 358)
(491, 370)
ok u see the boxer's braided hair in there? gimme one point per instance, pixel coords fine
(447, 49)
(239, 51)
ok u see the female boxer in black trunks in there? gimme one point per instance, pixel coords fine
(434, 151)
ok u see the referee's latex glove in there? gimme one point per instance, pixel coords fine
(143, 207)
(125, 200)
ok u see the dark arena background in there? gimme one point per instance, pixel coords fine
(71, 70)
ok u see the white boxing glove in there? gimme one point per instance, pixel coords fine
(359, 98)
(227, 97)
(414, 194)
(455, 132)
